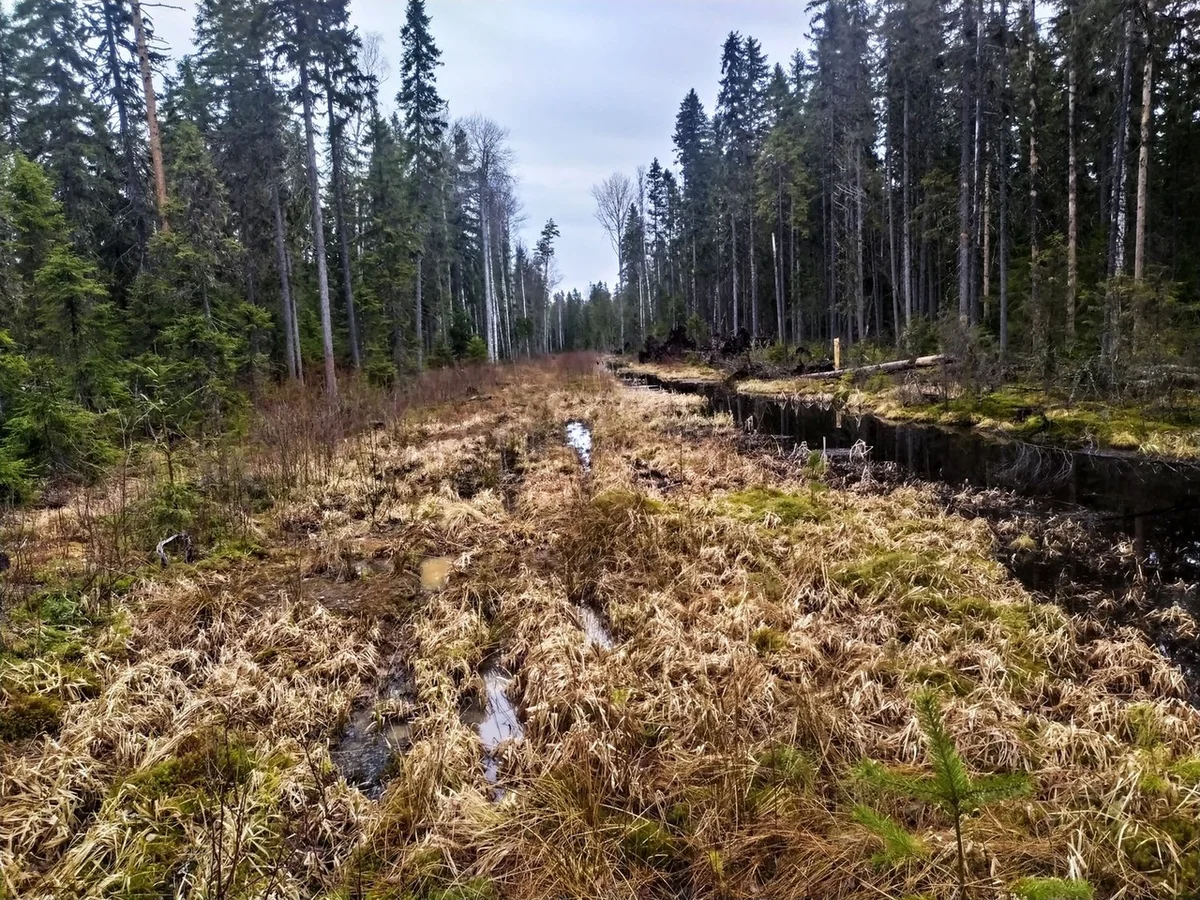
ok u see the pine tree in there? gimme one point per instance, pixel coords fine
(545, 253)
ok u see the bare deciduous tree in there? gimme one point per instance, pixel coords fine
(613, 197)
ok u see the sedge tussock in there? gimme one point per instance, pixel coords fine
(766, 632)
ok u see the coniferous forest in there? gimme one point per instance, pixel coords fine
(1012, 178)
(258, 217)
(1011, 183)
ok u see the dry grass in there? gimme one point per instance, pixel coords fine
(769, 633)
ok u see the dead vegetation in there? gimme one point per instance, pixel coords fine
(771, 633)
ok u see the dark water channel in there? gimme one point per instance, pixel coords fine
(1117, 497)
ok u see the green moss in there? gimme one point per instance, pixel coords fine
(478, 888)
(940, 677)
(887, 572)
(28, 715)
(768, 640)
(784, 766)
(757, 503)
(1170, 849)
(206, 759)
(1052, 889)
(618, 501)
(1186, 771)
(1144, 730)
(647, 841)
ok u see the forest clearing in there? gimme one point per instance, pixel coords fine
(730, 671)
(527, 451)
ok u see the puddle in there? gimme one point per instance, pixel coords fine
(497, 721)
(376, 733)
(435, 572)
(579, 439)
(594, 631)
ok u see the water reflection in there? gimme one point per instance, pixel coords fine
(579, 438)
(594, 631)
(497, 720)
(1157, 502)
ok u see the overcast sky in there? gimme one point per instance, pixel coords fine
(585, 88)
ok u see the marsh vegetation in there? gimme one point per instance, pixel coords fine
(717, 671)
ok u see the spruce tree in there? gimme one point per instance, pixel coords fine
(424, 127)
(63, 127)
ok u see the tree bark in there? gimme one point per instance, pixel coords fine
(976, 186)
(1038, 320)
(906, 220)
(335, 153)
(419, 313)
(1002, 183)
(964, 173)
(891, 230)
(1072, 179)
(753, 281)
(1143, 187)
(285, 288)
(859, 283)
(733, 235)
(156, 154)
(1120, 141)
(318, 225)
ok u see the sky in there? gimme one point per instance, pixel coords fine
(584, 88)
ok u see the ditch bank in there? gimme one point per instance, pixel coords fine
(1110, 536)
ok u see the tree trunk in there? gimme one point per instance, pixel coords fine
(986, 250)
(285, 288)
(1002, 183)
(1121, 140)
(335, 153)
(295, 317)
(859, 283)
(753, 282)
(1116, 234)
(156, 154)
(1072, 180)
(1139, 239)
(977, 155)
(419, 313)
(891, 230)
(318, 224)
(733, 236)
(964, 174)
(906, 220)
(1039, 324)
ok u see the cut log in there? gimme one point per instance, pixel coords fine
(897, 365)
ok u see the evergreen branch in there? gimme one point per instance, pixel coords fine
(899, 844)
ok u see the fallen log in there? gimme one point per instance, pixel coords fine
(896, 365)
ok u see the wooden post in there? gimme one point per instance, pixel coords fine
(837, 354)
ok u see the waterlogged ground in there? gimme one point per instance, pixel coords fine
(571, 639)
(1165, 425)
